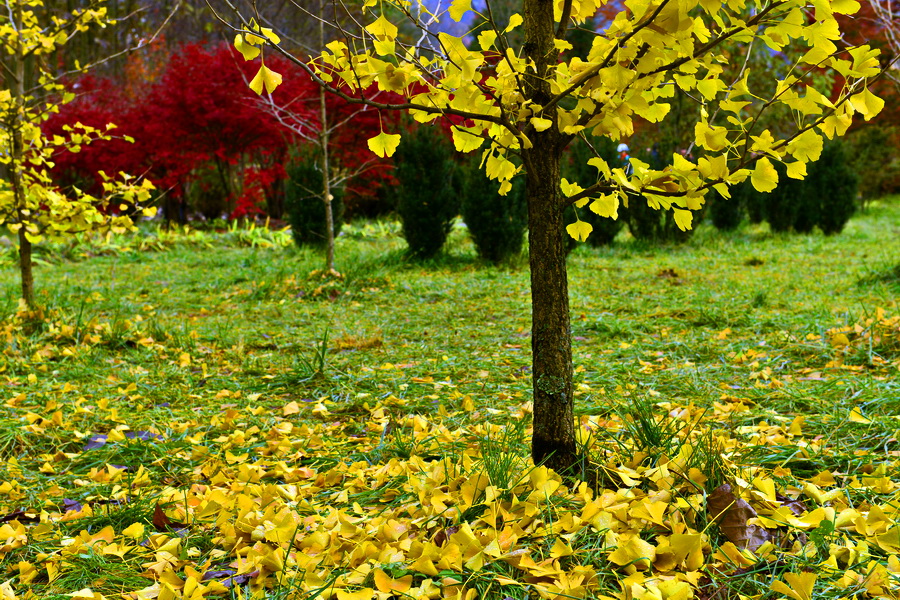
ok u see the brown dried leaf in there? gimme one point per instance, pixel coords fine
(733, 517)
(444, 534)
(162, 522)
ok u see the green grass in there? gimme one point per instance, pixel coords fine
(203, 340)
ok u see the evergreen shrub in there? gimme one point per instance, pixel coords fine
(496, 223)
(837, 185)
(726, 214)
(303, 201)
(872, 152)
(783, 205)
(825, 198)
(426, 196)
(207, 194)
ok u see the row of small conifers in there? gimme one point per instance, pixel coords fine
(434, 185)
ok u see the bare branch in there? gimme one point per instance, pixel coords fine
(564, 20)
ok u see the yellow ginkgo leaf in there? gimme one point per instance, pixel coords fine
(135, 530)
(6, 591)
(270, 35)
(560, 548)
(796, 170)
(265, 78)
(248, 51)
(388, 585)
(579, 230)
(839, 340)
(514, 21)
(683, 218)
(541, 124)
(465, 141)
(857, 417)
(634, 551)
(799, 585)
(764, 177)
(486, 39)
(459, 8)
(675, 590)
(384, 144)
(363, 594)
(382, 29)
(606, 206)
(866, 103)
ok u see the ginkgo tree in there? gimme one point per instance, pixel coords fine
(31, 206)
(519, 106)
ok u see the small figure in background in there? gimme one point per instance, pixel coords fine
(625, 157)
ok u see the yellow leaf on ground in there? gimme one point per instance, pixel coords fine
(634, 551)
(857, 417)
(799, 585)
(363, 594)
(386, 584)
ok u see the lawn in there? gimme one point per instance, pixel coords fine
(201, 414)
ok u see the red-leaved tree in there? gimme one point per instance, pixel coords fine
(197, 139)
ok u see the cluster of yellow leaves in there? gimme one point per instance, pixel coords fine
(249, 44)
(44, 210)
(630, 73)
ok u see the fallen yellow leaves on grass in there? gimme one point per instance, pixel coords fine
(380, 503)
(434, 527)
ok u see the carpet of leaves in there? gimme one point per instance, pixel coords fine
(110, 490)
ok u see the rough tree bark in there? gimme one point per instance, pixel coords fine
(553, 440)
(17, 163)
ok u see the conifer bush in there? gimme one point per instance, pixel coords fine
(207, 194)
(426, 192)
(726, 214)
(782, 205)
(872, 152)
(496, 223)
(303, 201)
(825, 198)
(837, 185)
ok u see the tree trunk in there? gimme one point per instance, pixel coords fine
(17, 165)
(553, 441)
(326, 167)
(326, 184)
(25, 271)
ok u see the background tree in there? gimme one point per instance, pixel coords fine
(310, 118)
(524, 100)
(31, 206)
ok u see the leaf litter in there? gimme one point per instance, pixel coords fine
(261, 494)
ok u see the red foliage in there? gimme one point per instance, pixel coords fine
(198, 111)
